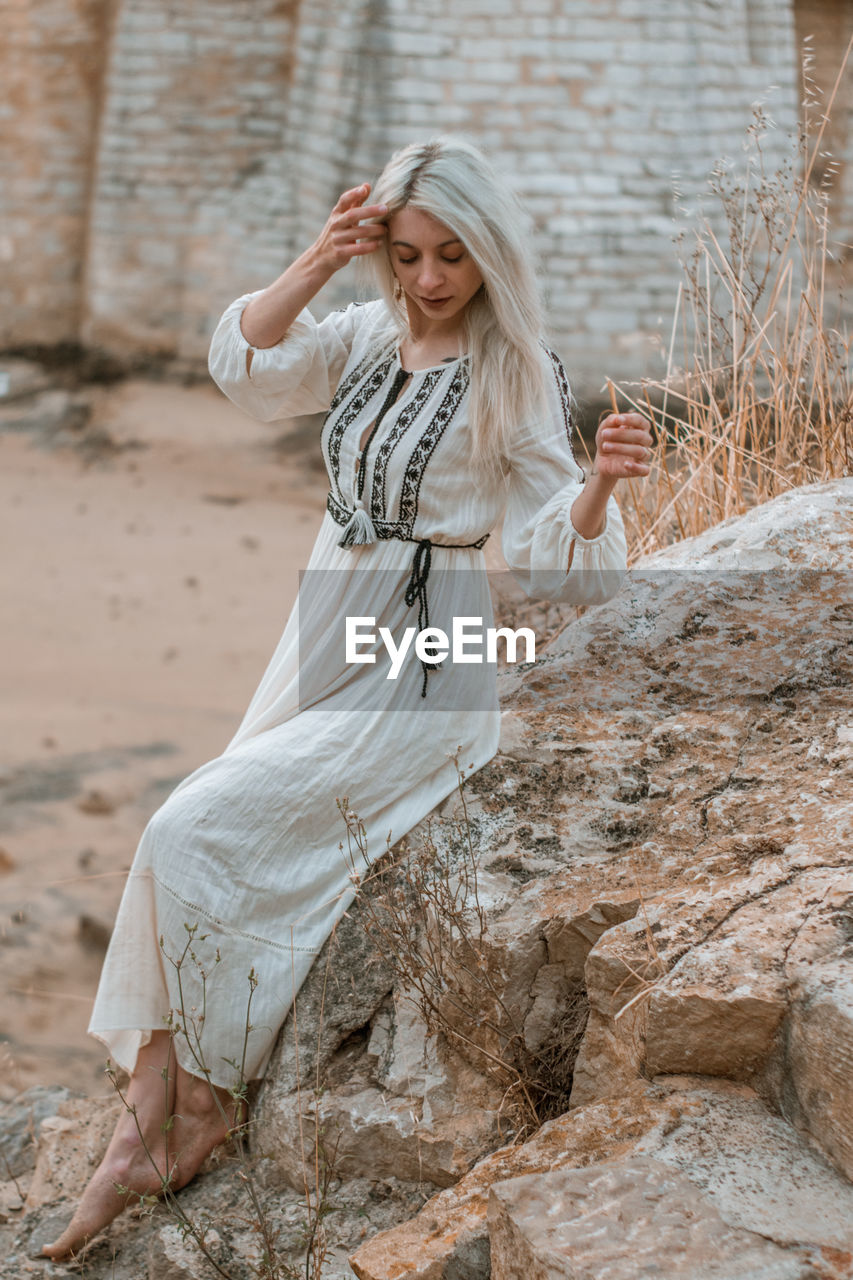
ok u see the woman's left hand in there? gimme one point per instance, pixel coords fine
(623, 446)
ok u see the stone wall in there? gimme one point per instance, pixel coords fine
(52, 59)
(163, 159)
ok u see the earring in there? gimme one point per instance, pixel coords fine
(398, 291)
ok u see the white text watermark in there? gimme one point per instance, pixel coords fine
(432, 644)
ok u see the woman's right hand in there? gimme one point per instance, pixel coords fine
(343, 237)
(267, 317)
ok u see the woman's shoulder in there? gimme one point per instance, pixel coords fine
(369, 315)
(363, 325)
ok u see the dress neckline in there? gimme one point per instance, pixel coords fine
(445, 364)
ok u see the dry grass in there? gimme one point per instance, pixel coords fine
(761, 399)
(422, 907)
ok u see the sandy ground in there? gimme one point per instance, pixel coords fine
(148, 569)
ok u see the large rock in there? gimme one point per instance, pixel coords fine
(682, 757)
(395, 1104)
(749, 1170)
(721, 1000)
(631, 1218)
(71, 1144)
(356, 1073)
(816, 1075)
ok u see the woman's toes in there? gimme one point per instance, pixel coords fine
(102, 1201)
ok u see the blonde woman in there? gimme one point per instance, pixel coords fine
(444, 411)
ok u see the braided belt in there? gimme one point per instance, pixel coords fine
(417, 585)
(417, 589)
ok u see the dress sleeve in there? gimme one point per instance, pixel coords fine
(544, 551)
(298, 375)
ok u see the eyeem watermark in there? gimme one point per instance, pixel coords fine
(432, 644)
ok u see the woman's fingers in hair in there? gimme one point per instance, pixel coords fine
(356, 238)
(352, 204)
(355, 196)
(365, 245)
(348, 231)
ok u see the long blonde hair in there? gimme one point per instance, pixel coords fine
(452, 180)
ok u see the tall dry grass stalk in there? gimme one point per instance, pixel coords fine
(762, 399)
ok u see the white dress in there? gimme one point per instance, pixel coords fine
(247, 849)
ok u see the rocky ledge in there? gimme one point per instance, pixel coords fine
(627, 1048)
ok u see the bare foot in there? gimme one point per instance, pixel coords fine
(204, 1117)
(126, 1164)
(201, 1118)
(137, 1157)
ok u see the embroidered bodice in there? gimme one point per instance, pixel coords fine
(417, 480)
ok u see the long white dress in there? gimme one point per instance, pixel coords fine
(247, 849)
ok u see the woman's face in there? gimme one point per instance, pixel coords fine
(438, 274)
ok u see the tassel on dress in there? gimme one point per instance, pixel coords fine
(359, 529)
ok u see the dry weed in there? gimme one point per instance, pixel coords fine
(761, 400)
(423, 910)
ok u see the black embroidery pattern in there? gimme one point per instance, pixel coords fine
(404, 421)
(565, 396)
(351, 380)
(426, 445)
(385, 528)
(365, 392)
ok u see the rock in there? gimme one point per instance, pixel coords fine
(395, 1104)
(338, 999)
(95, 802)
(19, 1124)
(805, 526)
(49, 413)
(819, 1054)
(717, 1000)
(23, 378)
(754, 1172)
(71, 1144)
(449, 1236)
(699, 783)
(632, 1218)
(93, 935)
(759, 1172)
(174, 1256)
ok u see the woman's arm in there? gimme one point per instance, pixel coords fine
(269, 315)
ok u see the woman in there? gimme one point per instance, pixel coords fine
(444, 410)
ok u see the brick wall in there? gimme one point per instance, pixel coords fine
(185, 153)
